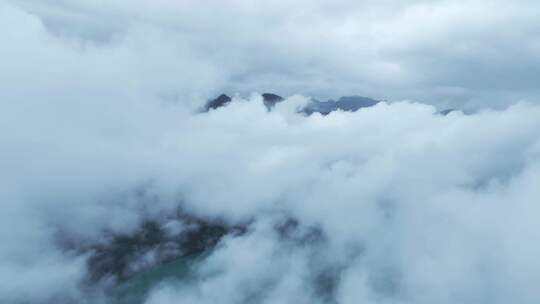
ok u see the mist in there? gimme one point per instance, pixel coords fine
(117, 188)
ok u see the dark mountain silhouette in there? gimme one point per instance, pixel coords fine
(346, 103)
(270, 100)
(218, 102)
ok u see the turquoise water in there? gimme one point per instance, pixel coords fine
(136, 289)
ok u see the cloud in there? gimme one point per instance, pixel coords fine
(474, 54)
(415, 205)
(390, 204)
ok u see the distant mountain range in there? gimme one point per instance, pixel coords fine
(345, 103)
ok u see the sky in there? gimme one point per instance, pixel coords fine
(460, 53)
(395, 203)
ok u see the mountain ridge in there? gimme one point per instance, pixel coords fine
(345, 103)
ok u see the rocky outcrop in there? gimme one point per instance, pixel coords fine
(220, 101)
(270, 100)
(154, 242)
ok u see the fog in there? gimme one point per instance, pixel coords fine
(101, 133)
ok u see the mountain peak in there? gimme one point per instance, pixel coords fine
(271, 99)
(345, 103)
(218, 102)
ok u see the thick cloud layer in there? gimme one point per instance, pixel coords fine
(391, 204)
(450, 53)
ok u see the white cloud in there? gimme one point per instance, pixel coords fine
(466, 54)
(97, 100)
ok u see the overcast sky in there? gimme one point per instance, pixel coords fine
(98, 100)
(471, 53)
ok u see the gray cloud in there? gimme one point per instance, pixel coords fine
(469, 54)
(392, 204)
